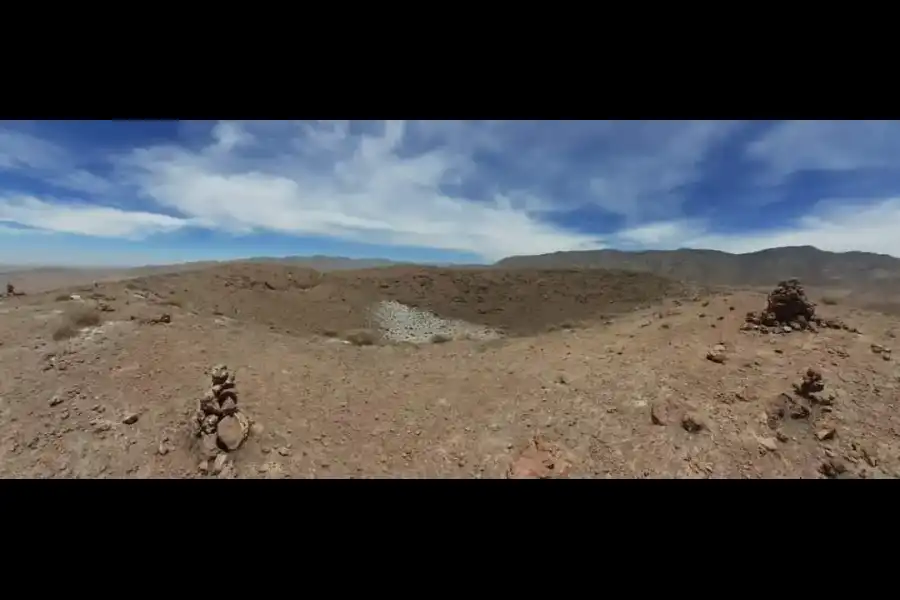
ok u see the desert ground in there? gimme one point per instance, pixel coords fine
(427, 372)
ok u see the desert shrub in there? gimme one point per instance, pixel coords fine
(361, 337)
(829, 300)
(74, 320)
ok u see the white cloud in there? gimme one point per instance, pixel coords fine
(369, 192)
(837, 146)
(25, 153)
(85, 219)
(20, 150)
(661, 234)
(831, 225)
(652, 160)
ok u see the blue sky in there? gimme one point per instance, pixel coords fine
(139, 192)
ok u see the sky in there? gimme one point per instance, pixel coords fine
(148, 192)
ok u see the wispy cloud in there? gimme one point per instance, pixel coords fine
(84, 219)
(829, 146)
(492, 188)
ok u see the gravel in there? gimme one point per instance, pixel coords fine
(401, 323)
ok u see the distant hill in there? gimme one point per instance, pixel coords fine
(814, 267)
(326, 263)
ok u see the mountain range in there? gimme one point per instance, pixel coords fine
(875, 275)
(854, 270)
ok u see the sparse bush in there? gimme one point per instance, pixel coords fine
(74, 320)
(64, 331)
(440, 338)
(361, 337)
(829, 300)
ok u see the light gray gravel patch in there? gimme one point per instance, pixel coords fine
(401, 323)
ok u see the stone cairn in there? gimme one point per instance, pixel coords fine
(218, 422)
(788, 309)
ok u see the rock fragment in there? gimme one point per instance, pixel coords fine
(768, 444)
(716, 354)
(693, 422)
(826, 434)
(540, 460)
(231, 433)
(812, 383)
(833, 468)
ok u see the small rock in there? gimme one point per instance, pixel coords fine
(770, 444)
(231, 432)
(781, 437)
(209, 424)
(56, 400)
(131, 418)
(219, 464)
(219, 374)
(257, 429)
(204, 466)
(716, 356)
(658, 413)
(228, 406)
(877, 349)
(832, 468)
(826, 434)
(163, 449)
(799, 411)
(868, 453)
(787, 329)
(541, 460)
(100, 425)
(812, 383)
(208, 446)
(284, 451)
(692, 422)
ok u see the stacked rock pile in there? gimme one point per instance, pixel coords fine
(218, 422)
(811, 384)
(788, 309)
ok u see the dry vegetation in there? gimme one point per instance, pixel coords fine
(74, 319)
(599, 374)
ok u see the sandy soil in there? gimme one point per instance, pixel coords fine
(602, 375)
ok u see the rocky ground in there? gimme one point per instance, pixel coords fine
(591, 374)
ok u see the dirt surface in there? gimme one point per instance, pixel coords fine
(649, 380)
(300, 301)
